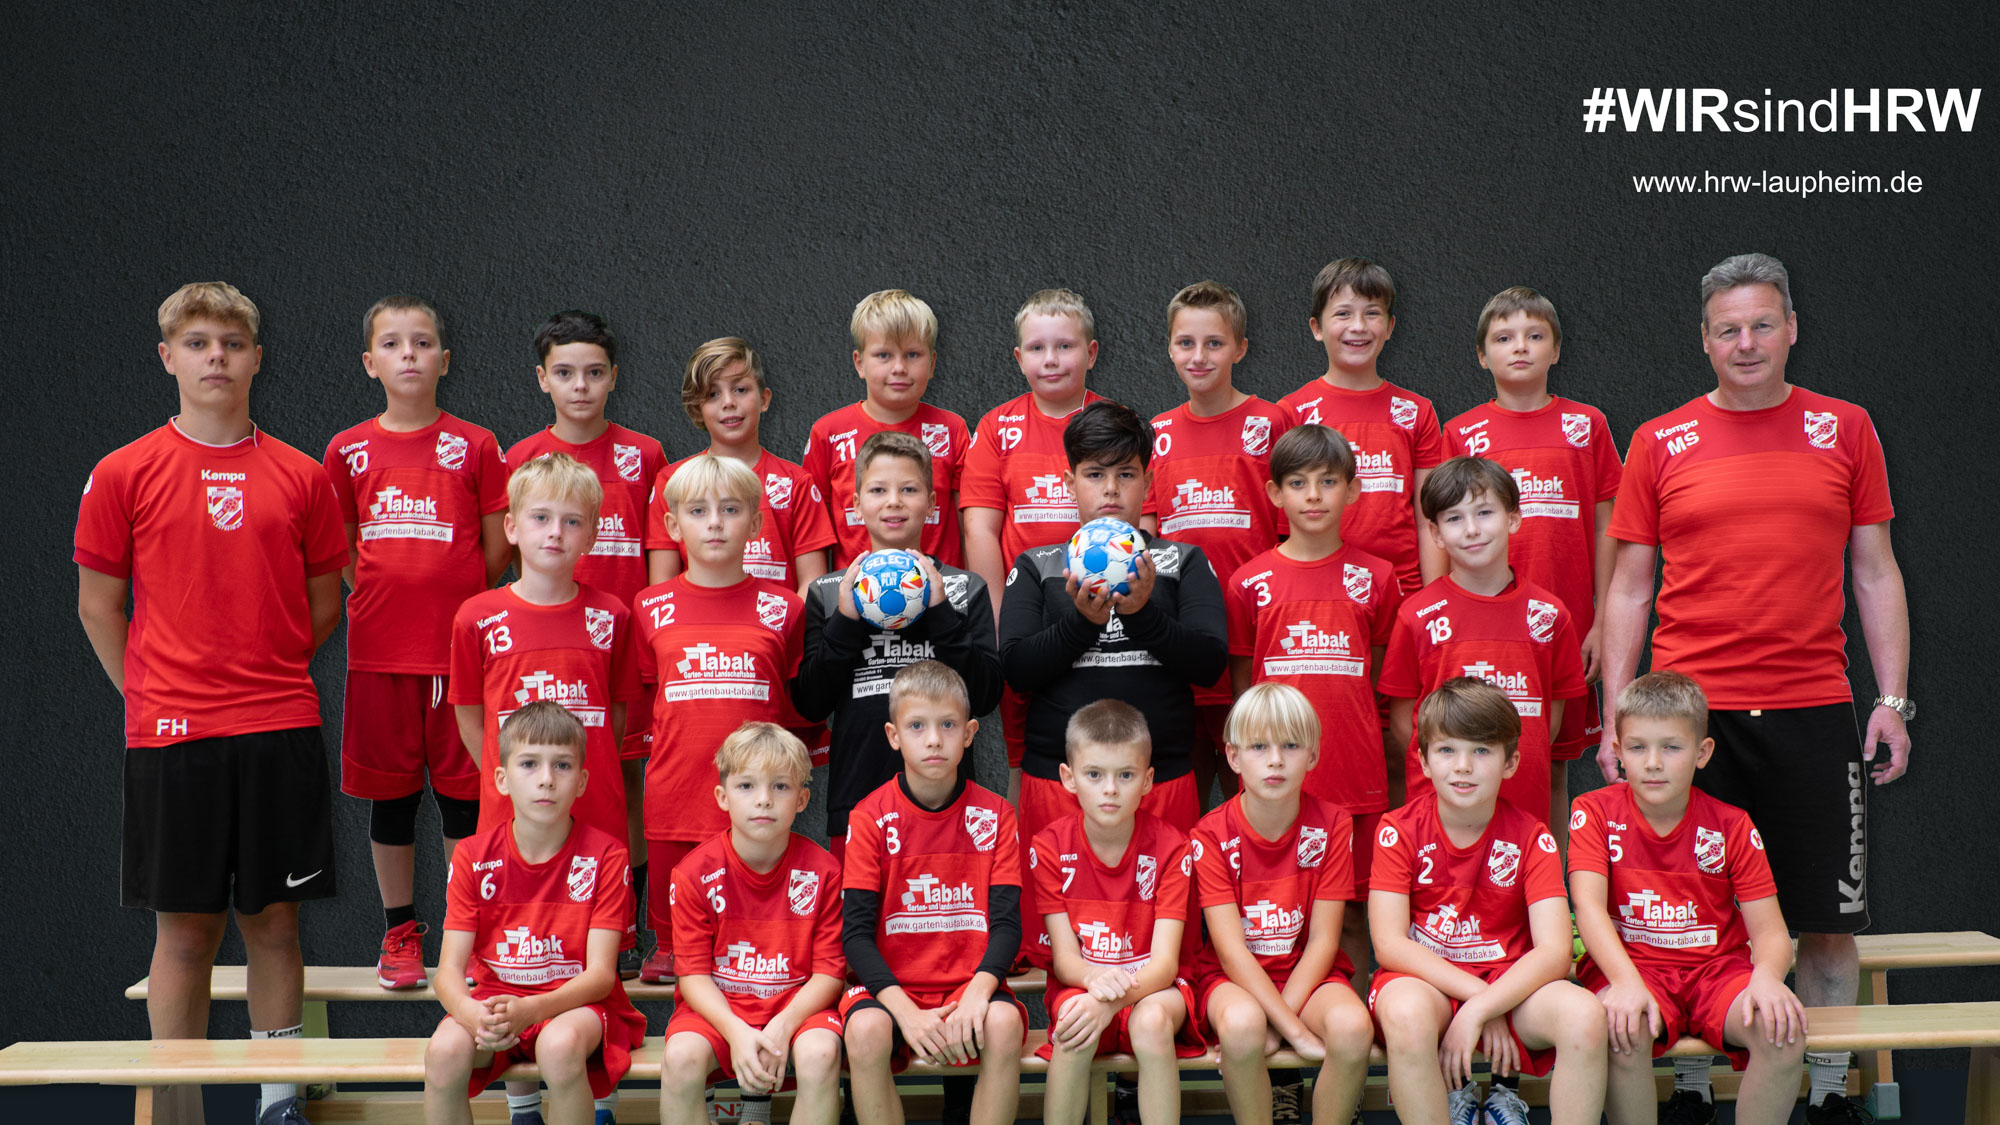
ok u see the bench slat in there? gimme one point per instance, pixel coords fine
(356, 983)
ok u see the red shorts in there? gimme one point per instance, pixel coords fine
(1582, 728)
(899, 1055)
(618, 1034)
(661, 855)
(1117, 1038)
(1537, 1063)
(638, 727)
(1693, 999)
(1014, 725)
(395, 728)
(1205, 985)
(1044, 802)
(685, 1020)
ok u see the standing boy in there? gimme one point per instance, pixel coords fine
(226, 793)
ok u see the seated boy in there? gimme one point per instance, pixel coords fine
(1472, 932)
(848, 665)
(756, 942)
(1115, 884)
(526, 897)
(1273, 871)
(1678, 911)
(931, 913)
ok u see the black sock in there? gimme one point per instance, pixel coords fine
(397, 915)
(1511, 1081)
(639, 894)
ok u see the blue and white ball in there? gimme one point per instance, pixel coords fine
(891, 590)
(1104, 555)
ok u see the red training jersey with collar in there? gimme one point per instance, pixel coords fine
(217, 543)
(759, 935)
(1273, 883)
(1016, 466)
(934, 872)
(625, 462)
(1468, 905)
(507, 652)
(1112, 908)
(1672, 897)
(721, 656)
(1394, 433)
(1752, 511)
(795, 519)
(1521, 641)
(1315, 626)
(835, 442)
(531, 922)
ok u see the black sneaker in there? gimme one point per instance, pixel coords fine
(1686, 1107)
(629, 961)
(1837, 1110)
(957, 1100)
(1124, 1100)
(1285, 1103)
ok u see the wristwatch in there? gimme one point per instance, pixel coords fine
(1899, 705)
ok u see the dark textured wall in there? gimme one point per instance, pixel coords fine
(698, 171)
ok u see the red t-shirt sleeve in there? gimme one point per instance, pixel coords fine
(1241, 609)
(1007, 850)
(827, 955)
(694, 926)
(1336, 875)
(1636, 518)
(461, 905)
(611, 904)
(1390, 869)
(1869, 493)
(1566, 661)
(862, 863)
(656, 537)
(468, 673)
(1610, 472)
(950, 474)
(1382, 612)
(343, 482)
(326, 533)
(1173, 897)
(1541, 868)
(1587, 851)
(979, 484)
(814, 460)
(490, 479)
(1429, 440)
(1749, 867)
(1401, 678)
(1213, 886)
(812, 528)
(1042, 868)
(104, 523)
(627, 684)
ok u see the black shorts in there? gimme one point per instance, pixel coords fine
(247, 817)
(1798, 773)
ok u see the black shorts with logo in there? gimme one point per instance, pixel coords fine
(1798, 773)
(243, 820)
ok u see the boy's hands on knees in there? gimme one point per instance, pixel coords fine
(1082, 1021)
(1783, 1013)
(1457, 1044)
(1143, 573)
(759, 1058)
(1309, 1046)
(965, 1029)
(1109, 984)
(1096, 608)
(1497, 1043)
(924, 1032)
(1633, 1016)
(497, 1030)
(845, 602)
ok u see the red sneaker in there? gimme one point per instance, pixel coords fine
(659, 967)
(402, 963)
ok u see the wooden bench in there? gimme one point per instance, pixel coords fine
(144, 1064)
(356, 984)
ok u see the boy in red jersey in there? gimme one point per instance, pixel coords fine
(724, 393)
(1471, 928)
(1566, 466)
(1315, 613)
(424, 497)
(723, 645)
(1012, 492)
(895, 354)
(578, 371)
(1273, 870)
(1697, 944)
(1115, 884)
(1210, 464)
(931, 912)
(539, 904)
(1394, 431)
(1482, 620)
(757, 942)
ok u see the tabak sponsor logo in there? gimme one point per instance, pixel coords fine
(930, 905)
(1196, 505)
(574, 695)
(1376, 470)
(1516, 686)
(451, 451)
(1546, 497)
(523, 957)
(1576, 430)
(1103, 944)
(613, 540)
(709, 671)
(628, 461)
(1309, 650)
(744, 971)
(1046, 499)
(885, 655)
(1455, 937)
(1271, 930)
(1257, 435)
(395, 514)
(1650, 918)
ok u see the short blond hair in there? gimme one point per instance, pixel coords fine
(542, 723)
(560, 477)
(893, 314)
(708, 362)
(215, 300)
(1277, 711)
(1057, 302)
(705, 474)
(1107, 722)
(767, 746)
(1665, 694)
(1211, 295)
(1468, 708)
(929, 679)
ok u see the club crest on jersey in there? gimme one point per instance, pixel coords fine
(983, 826)
(1148, 871)
(598, 622)
(1166, 560)
(1822, 428)
(803, 894)
(1403, 412)
(937, 439)
(778, 490)
(1257, 435)
(1360, 584)
(225, 507)
(582, 877)
(771, 607)
(1541, 620)
(625, 458)
(955, 586)
(1576, 430)
(1312, 845)
(451, 451)
(1503, 863)
(1708, 850)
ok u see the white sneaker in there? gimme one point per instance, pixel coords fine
(1464, 1105)
(1504, 1107)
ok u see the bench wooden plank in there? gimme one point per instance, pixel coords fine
(356, 983)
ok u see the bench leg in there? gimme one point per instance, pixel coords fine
(1982, 1086)
(142, 1105)
(1100, 1098)
(1876, 1066)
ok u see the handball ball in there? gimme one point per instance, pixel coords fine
(1103, 555)
(891, 590)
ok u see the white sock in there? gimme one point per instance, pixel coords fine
(271, 1093)
(756, 1107)
(610, 1103)
(1692, 1074)
(1829, 1074)
(524, 1103)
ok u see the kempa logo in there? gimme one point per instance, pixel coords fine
(1706, 108)
(1854, 895)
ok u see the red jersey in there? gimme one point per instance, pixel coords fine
(507, 653)
(1752, 511)
(1273, 883)
(1672, 897)
(1521, 641)
(1016, 466)
(836, 440)
(217, 542)
(1112, 908)
(1394, 433)
(1468, 906)
(625, 463)
(1314, 625)
(531, 922)
(934, 872)
(722, 656)
(760, 937)
(795, 520)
